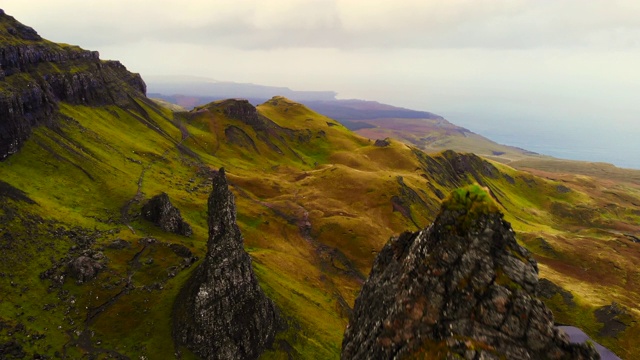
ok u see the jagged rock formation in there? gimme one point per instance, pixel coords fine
(221, 312)
(36, 74)
(382, 142)
(462, 288)
(161, 212)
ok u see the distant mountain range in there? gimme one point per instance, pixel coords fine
(212, 89)
(372, 119)
(428, 131)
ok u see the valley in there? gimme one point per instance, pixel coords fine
(316, 202)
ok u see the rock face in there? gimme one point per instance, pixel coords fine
(221, 312)
(161, 212)
(36, 74)
(461, 288)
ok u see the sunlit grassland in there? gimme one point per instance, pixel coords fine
(313, 217)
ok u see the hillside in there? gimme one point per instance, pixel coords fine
(315, 203)
(425, 130)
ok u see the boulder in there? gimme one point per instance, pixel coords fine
(84, 268)
(161, 212)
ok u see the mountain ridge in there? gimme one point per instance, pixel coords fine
(375, 120)
(38, 74)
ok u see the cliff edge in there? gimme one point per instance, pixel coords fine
(36, 75)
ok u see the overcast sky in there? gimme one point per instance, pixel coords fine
(480, 63)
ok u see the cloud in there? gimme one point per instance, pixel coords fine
(341, 24)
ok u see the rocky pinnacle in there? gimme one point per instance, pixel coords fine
(461, 288)
(221, 312)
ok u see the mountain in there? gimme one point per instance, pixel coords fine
(84, 270)
(428, 131)
(36, 74)
(425, 130)
(207, 90)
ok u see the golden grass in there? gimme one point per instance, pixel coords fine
(338, 182)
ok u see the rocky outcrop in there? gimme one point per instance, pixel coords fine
(36, 74)
(241, 109)
(86, 266)
(461, 288)
(614, 319)
(382, 142)
(221, 312)
(547, 290)
(161, 212)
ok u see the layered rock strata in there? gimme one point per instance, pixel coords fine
(36, 74)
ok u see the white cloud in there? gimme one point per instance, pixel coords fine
(344, 24)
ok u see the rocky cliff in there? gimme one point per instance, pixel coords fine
(461, 288)
(36, 74)
(221, 312)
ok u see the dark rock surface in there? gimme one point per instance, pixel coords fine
(161, 212)
(461, 288)
(86, 266)
(11, 350)
(119, 244)
(547, 289)
(221, 312)
(613, 319)
(382, 143)
(35, 75)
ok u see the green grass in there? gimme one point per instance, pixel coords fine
(336, 180)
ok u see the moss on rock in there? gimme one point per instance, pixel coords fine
(469, 202)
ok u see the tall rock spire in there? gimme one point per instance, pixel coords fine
(222, 313)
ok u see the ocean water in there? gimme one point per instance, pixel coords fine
(604, 141)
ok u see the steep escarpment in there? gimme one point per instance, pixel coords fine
(221, 312)
(461, 287)
(37, 74)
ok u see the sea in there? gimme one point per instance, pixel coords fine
(600, 142)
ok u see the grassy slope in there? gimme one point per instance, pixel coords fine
(313, 215)
(434, 135)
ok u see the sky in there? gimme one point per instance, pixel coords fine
(519, 71)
